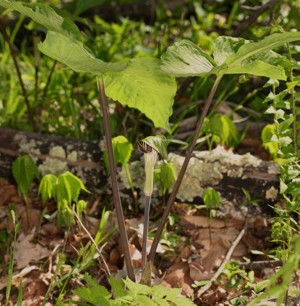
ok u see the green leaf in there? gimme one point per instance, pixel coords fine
(142, 85)
(267, 136)
(164, 296)
(251, 49)
(269, 43)
(20, 294)
(163, 292)
(168, 175)
(24, 171)
(75, 55)
(260, 286)
(159, 143)
(224, 128)
(81, 206)
(144, 300)
(137, 288)
(211, 198)
(47, 185)
(122, 149)
(68, 187)
(117, 286)
(226, 46)
(45, 16)
(259, 68)
(285, 124)
(183, 301)
(185, 58)
(94, 293)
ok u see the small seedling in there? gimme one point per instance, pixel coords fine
(65, 190)
(211, 199)
(25, 171)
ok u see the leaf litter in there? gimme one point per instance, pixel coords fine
(194, 250)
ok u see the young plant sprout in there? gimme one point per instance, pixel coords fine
(150, 146)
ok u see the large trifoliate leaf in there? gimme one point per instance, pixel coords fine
(45, 16)
(185, 58)
(231, 55)
(253, 57)
(267, 44)
(74, 54)
(259, 68)
(144, 86)
(226, 46)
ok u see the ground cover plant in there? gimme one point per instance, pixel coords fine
(146, 81)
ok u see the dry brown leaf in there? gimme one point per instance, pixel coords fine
(191, 222)
(27, 252)
(30, 218)
(178, 277)
(9, 193)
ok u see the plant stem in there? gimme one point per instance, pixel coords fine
(294, 107)
(114, 183)
(24, 91)
(48, 81)
(183, 170)
(145, 230)
(36, 76)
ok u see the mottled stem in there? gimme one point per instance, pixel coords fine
(145, 230)
(182, 170)
(114, 183)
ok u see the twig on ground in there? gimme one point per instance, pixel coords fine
(226, 259)
(261, 264)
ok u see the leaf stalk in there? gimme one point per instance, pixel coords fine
(177, 184)
(114, 183)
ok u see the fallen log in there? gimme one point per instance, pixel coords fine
(221, 169)
(54, 154)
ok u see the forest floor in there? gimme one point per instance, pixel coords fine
(215, 260)
(189, 256)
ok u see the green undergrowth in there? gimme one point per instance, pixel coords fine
(125, 80)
